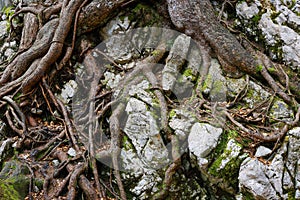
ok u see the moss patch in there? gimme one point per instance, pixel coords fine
(14, 188)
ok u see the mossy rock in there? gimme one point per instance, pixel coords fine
(14, 182)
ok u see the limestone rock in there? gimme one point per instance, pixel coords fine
(14, 183)
(253, 179)
(262, 151)
(202, 140)
(175, 60)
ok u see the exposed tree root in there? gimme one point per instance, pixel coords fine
(44, 47)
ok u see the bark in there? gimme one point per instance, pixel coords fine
(48, 43)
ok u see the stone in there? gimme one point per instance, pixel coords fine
(262, 151)
(287, 183)
(203, 138)
(252, 178)
(256, 94)
(293, 162)
(280, 178)
(235, 86)
(276, 34)
(14, 182)
(55, 162)
(181, 122)
(278, 23)
(148, 182)
(146, 178)
(9, 53)
(5, 147)
(68, 91)
(72, 152)
(139, 91)
(119, 48)
(3, 30)
(275, 173)
(111, 80)
(174, 62)
(115, 26)
(215, 83)
(281, 111)
(143, 131)
(230, 153)
(245, 11)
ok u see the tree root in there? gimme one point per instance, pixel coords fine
(47, 48)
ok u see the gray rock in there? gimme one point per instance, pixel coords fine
(5, 3)
(262, 151)
(142, 129)
(293, 161)
(111, 80)
(252, 178)
(280, 110)
(55, 162)
(195, 60)
(3, 30)
(9, 53)
(245, 11)
(202, 140)
(287, 183)
(146, 179)
(215, 83)
(181, 123)
(276, 34)
(115, 26)
(149, 181)
(175, 60)
(235, 86)
(72, 152)
(139, 91)
(4, 148)
(68, 91)
(280, 176)
(279, 24)
(14, 182)
(231, 152)
(119, 49)
(256, 94)
(275, 173)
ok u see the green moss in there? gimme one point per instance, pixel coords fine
(274, 15)
(150, 17)
(247, 196)
(172, 113)
(271, 70)
(14, 188)
(189, 73)
(259, 68)
(126, 143)
(256, 18)
(229, 172)
(155, 52)
(207, 83)
(8, 192)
